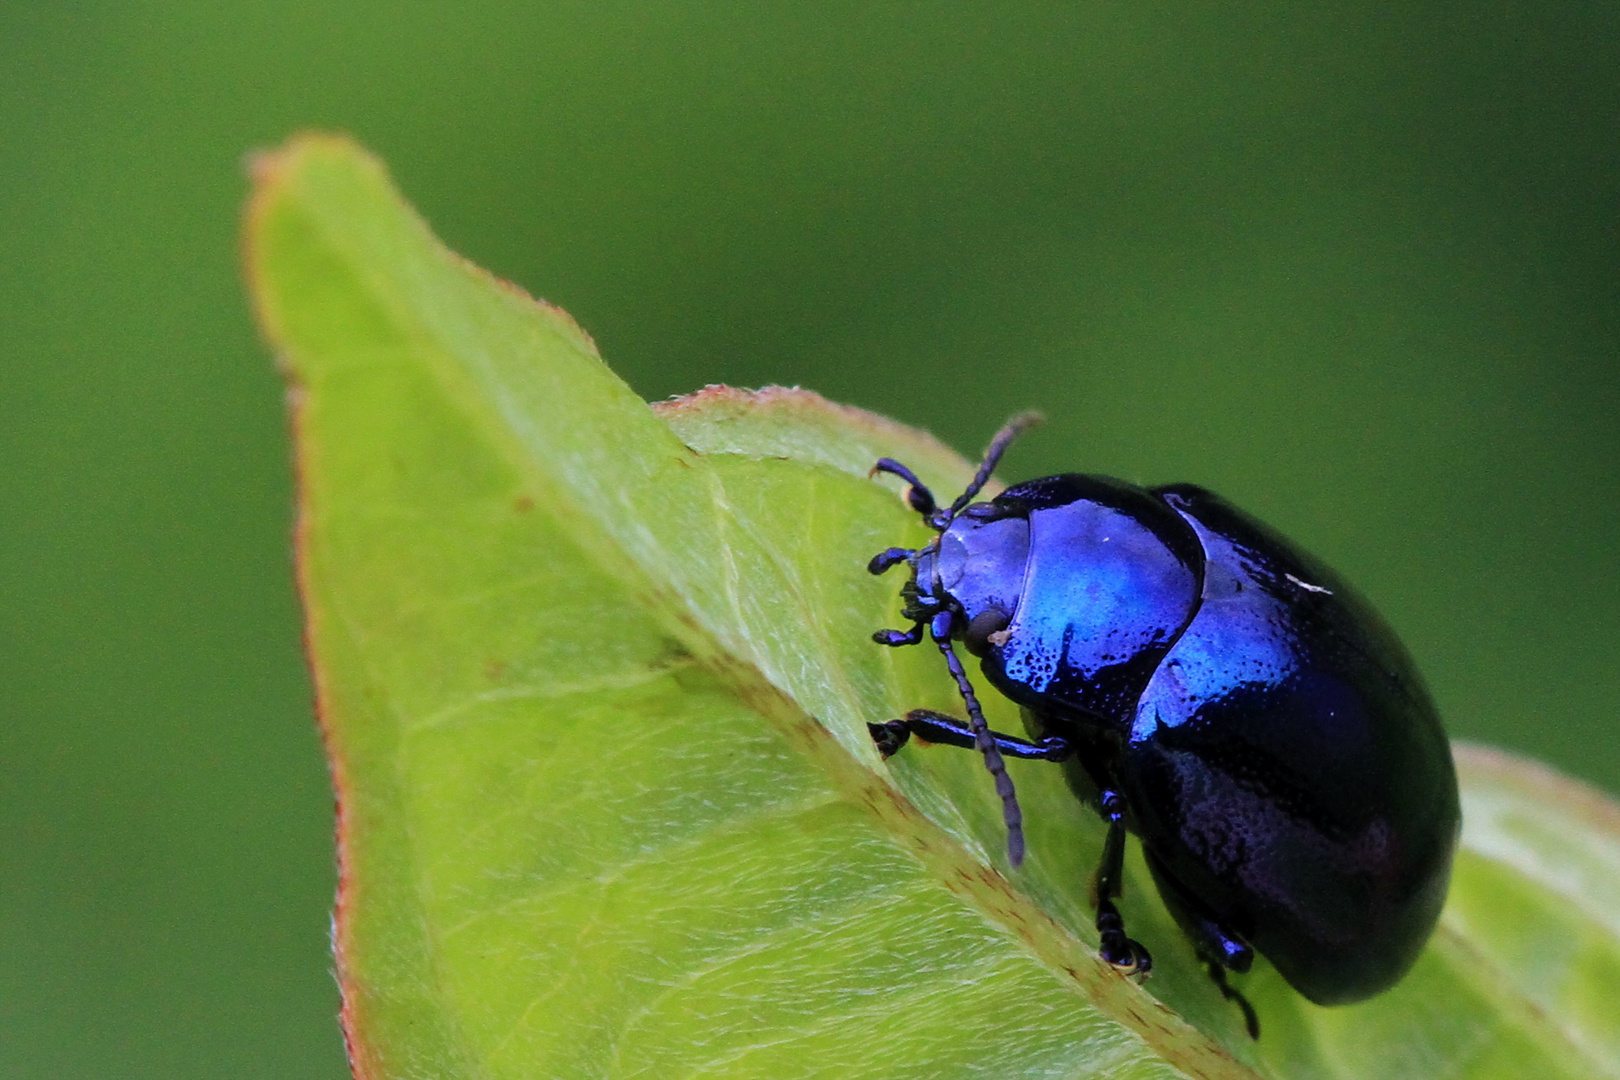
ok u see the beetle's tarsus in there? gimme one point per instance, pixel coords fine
(894, 638)
(890, 737)
(1115, 948)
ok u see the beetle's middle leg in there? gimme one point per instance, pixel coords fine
(1113, 946)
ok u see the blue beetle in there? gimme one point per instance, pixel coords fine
(1210, 688)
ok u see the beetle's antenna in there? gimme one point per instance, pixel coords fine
(998, 446)
(1010, 812)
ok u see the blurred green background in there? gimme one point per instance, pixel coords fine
(1355, 266)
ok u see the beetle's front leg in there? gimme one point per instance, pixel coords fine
(1128, 956)
(895, 638)
(889, 557)
(918, 497)
(936, 727)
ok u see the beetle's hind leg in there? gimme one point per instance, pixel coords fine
(1251, 1022)
(1128, 956)
(1218, 947)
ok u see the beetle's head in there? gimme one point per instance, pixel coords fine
(974, 570)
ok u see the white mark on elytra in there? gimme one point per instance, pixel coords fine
(1307, 586)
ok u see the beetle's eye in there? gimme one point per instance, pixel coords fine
(990, 621)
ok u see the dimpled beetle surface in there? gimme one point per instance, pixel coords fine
(1210, 688)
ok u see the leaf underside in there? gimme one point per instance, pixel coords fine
(595, 676)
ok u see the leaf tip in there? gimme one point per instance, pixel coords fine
(272, 173)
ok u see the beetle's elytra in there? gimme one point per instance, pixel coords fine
(1211, 688)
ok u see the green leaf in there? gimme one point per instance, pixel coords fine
(595, 676)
